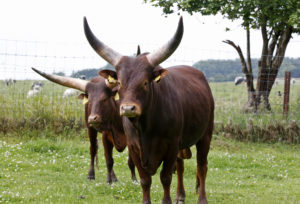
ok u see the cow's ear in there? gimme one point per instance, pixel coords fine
(159, 74)
(84, 98)
(111, 79)
(115, 94)
(81, 96)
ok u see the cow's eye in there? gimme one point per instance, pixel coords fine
(118, 85)
(145, 83)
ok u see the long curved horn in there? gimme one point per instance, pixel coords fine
(165, 51)
(78, 84)
(111, 56)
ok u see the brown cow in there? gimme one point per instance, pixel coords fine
(101, 115)
(164, 111)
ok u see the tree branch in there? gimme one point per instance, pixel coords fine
(272, 46)
(238, 49)
(282, 45)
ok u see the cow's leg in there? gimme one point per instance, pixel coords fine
(166, 179)
(180, 195)
(132, 168)
(145, 178)
(93, 151)
(108, 149)
(202, 152)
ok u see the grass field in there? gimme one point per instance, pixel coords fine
(44, 152)
(53, 169)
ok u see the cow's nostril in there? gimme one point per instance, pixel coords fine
(128, 108)
(92, 118)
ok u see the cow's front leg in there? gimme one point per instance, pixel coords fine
(108, 151)
(93, 152)
(166, 179)
(145, 178)
(132, 168)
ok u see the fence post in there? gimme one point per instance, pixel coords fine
(286, 97)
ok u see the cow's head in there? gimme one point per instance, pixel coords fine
(136, 77)
(97, 96)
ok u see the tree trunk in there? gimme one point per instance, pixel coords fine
(269, 64)
(250, 104)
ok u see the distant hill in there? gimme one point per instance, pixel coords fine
(227, 70)
(91, 72)
(216, 70)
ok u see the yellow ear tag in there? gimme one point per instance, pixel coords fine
(85, 100)
(111, 79)
(117, 97)
(157, 79)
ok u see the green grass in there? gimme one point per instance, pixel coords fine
(48, 168)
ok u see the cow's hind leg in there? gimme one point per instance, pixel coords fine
(180, 195)
(108, 150)
(202, 152)
(93, 152)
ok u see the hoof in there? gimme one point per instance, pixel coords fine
(202, 201)
(111, 179)
(91, 177)
(133, 179)
(91, 174)
(179, 200)
(166, 202)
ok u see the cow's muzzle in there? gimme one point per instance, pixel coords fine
(94, 121)
(130, 110)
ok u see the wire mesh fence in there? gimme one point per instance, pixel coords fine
(19, 102)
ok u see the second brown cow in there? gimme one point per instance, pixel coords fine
(101, 115)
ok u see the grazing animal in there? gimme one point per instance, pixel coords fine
(70, 92)
(9, 82)
(37, 84)
(36, 88)
(101, 115)
(278, 93)
(293, 81)
(239, 80)
(163, 111)
(82, 77)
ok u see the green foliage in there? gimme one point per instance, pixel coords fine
(47, 170)
(253, 13)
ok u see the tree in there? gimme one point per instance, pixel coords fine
(276, 19)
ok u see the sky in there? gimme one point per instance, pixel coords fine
(55, 28)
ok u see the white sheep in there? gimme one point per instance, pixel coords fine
(70, 92)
